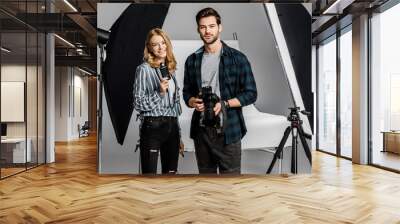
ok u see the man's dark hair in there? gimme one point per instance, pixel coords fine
(206, 12)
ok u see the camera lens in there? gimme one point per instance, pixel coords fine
(209, 104)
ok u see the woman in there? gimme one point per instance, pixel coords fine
(157, 100)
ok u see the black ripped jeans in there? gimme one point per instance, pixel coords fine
(159, 134)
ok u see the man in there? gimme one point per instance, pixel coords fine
(228, 72)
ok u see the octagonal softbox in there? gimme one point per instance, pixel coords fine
(124, 53)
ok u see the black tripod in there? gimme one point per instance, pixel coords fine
(296, 129)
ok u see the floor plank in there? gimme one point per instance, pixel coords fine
(71, 191)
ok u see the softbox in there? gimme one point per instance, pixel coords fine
(124, 53)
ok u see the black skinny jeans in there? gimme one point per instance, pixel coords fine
(159, 134)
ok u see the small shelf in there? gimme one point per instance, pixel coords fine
(391, 141)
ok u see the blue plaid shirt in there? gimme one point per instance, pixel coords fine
(236, 81)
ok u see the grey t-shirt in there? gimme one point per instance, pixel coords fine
(209, 71)
(210, 75)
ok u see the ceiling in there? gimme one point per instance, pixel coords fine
(75, 22)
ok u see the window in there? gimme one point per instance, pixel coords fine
(22, 77)
(327, 96)
(346, 75)
(385, 88)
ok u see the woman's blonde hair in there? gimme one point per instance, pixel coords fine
(149, 56)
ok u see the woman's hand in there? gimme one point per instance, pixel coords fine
(163, 86)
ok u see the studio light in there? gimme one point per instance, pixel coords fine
(64, 40)
(337, 7)
(84, 71)
(70, 5)
(5, 50)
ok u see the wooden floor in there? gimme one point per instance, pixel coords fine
(5, 172)
(70, 191)
(387, 159)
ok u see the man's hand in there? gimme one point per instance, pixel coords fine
(163, 86)
(217, 108)
(196, 103)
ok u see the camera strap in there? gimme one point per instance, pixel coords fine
(212, 79)
(224, 116)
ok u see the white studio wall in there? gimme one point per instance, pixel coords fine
(255, 39)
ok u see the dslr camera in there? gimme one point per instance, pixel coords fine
(209, 99)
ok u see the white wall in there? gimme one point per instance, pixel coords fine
(32, 105)
(79, 117)
(61, 103)
(14, 73)
(67, 117)
(17, 72)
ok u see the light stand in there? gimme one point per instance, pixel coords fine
(102, 39)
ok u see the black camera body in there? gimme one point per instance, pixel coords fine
(209, 100)
(294, 114)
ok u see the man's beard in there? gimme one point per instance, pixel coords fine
(210, 41)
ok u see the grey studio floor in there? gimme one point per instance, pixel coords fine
(254, 161)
